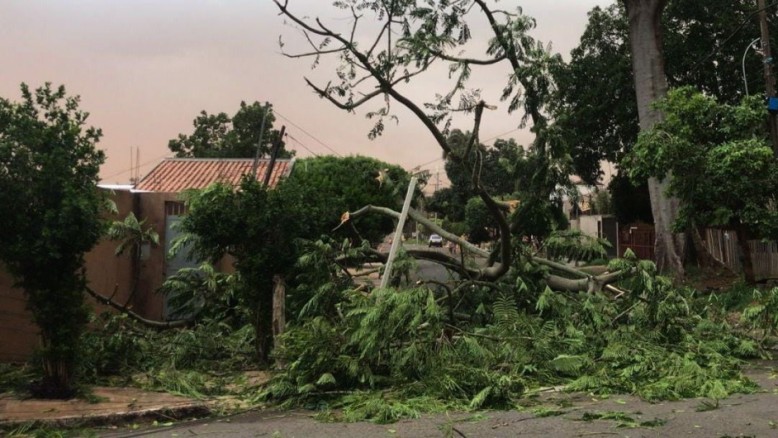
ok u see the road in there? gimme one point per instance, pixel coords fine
(752, 415)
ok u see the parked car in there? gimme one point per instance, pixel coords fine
(435, 240)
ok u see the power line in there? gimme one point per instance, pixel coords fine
(300, 143)
(307, 133)
(732, 35)
(134, 167)
(483, 141)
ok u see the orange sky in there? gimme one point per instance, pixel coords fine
(145, 68)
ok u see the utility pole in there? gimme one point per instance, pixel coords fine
(255, 165)
(398, 234)
(273, 155)
(768, 72)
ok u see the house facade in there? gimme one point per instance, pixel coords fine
(155, 199)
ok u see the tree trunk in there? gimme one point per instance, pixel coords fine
(651, 84)
(704, 258)
(279, 312)
(279, 307)
(745, 254)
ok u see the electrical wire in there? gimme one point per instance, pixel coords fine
(732, 35)
(134, 167)
(307, 133)
(301, 144)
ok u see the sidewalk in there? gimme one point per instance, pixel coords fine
(113, 405)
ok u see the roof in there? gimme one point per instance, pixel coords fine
(174, 175)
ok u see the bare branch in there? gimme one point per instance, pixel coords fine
(473, 61)
(317, 52)
(147, 322)
(345, 106)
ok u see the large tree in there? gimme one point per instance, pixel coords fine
(410, 38)
(496, 171)
(48, 180)
(332, 186)
(645, 36)
(723, 168)
(222, 136)
(703, 45)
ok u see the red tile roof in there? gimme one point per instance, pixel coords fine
(174, 175)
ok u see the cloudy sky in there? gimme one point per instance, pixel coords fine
(145, 68)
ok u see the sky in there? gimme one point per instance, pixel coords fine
(145, 68)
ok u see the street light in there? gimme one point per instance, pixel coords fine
(745, 82)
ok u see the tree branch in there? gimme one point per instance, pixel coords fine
(585, 282)
(147, 322)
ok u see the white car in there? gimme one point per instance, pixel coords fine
(435, 240)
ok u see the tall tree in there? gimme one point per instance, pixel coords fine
(723, 169)
(703, 44)
(410, 38)
(496, 171)
(222, 136)
(645, 36)
(48, 174)
(334, 185)
(132, 235)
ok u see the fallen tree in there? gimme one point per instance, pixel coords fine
(581, 281)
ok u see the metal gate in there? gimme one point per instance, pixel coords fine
(638, 237)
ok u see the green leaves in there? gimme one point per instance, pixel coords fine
(49, 167)
(722, 169)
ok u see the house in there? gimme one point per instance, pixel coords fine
(155, 199)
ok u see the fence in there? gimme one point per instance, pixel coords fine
(723, 246)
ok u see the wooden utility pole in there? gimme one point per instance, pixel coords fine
(274, 155)
(398, 233)
(768, 72)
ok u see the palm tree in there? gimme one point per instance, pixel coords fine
(132, 235)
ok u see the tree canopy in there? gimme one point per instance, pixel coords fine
(703, 45)
(222, 136)
(722, 166)
(332, 186)
(49, 167)
(264, 229)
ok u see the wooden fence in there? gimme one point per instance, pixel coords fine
(723, 245)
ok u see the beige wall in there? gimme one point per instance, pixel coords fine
(18, 335)
(107, 274)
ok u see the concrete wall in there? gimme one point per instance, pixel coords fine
(107, 274)
(18, 334)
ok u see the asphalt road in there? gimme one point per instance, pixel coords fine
(752, 415)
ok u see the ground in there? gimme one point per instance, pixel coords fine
(548, 413)
(555, 414)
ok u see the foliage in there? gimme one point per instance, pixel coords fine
(257, 227)
(762, 313)
(597, 125)
(49, 172)
(481, 226)
(573, 245)
(602, 202)
(394, 346)
(205, 293)
(263, 229)
(38, 430)
(702, 48)
(631, 201)
(222, 136)
(195, 361)
(495, 171)
(132, 234)
(723, 169)
(331, 186)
